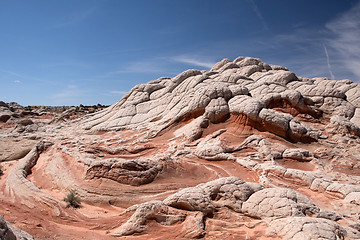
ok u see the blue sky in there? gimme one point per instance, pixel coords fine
(71, 52)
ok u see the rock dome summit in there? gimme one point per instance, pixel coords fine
(246, 150)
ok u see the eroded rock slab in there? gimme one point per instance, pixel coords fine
(230, 192)
(278, 202)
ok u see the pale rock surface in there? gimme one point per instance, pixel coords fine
(194, 226)
(342, 125)
(296, 228)
(5, 114)
(212, 148)
(193, 130)
(18, 186)
(353, 197)
(217, 110)
(230, 192)
(220, 64)
(298, 154)
(278, 202)
(154, 210)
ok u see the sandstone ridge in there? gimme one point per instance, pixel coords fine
(246, 87)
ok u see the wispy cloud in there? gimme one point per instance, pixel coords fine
(258, 14)
(300, 50)
(71, 86)
(67, 63)
(118, 92)
(18, 77)
(345, 40)
(10, 73)
(68, 94)
(149, 65)
(328, 62)
(311, 48)
(307, 66)
(193, 61)
(155, 65)
(65, 94)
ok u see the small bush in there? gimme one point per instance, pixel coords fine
(72, 200)
(1, 170)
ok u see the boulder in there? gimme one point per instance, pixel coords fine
(228, 191)
(153, 210)
(10, 232)
(298, 154)
(132, 172)
(294, 228)
(278, 202)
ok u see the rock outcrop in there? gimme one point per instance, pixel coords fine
(230, 192)
(153, 210)
(246, 150)
(10, 232)
(307, 228)
(278, 202)
(233, 89)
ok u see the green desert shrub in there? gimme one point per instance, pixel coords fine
(72, 199)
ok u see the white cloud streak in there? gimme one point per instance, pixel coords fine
(70, 92)
(153, 65)
(118, 92)
(328, 62)
(67, 63)
(9, 73)
(193, 61)
(23, 78)
(258, 14)
(142, 66)
(72, 86)
(346, 40)
(339, 40)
